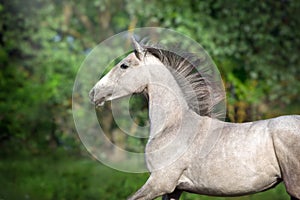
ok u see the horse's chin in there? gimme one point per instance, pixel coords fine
(100, 104)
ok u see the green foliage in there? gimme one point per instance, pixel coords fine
(255, 44)
(61, 175)
(43, 42)
(33, 74)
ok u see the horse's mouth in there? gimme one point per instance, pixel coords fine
(100, 102)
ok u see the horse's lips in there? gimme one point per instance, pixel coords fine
(100, 102)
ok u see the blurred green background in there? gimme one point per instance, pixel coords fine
(255, 44)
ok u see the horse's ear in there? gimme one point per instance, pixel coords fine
(139, 50)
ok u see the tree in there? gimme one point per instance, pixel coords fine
(255, 45)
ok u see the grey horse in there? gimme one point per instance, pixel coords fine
(246, 158)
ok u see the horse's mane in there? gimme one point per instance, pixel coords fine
(196, 78)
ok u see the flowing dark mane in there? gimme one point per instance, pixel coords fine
(195, 77)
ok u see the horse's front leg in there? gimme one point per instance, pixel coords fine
(158, 184)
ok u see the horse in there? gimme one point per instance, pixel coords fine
(246, 158)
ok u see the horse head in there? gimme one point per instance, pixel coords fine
(129, 76)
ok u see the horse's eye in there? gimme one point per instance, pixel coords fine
(124, 66)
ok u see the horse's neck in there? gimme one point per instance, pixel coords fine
(167, 105)
(173, 124)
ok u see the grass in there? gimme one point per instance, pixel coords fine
(59, 175)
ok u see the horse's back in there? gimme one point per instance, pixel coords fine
(286, 137)
(286, 130)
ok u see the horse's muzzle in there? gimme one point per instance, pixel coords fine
(96, 98)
